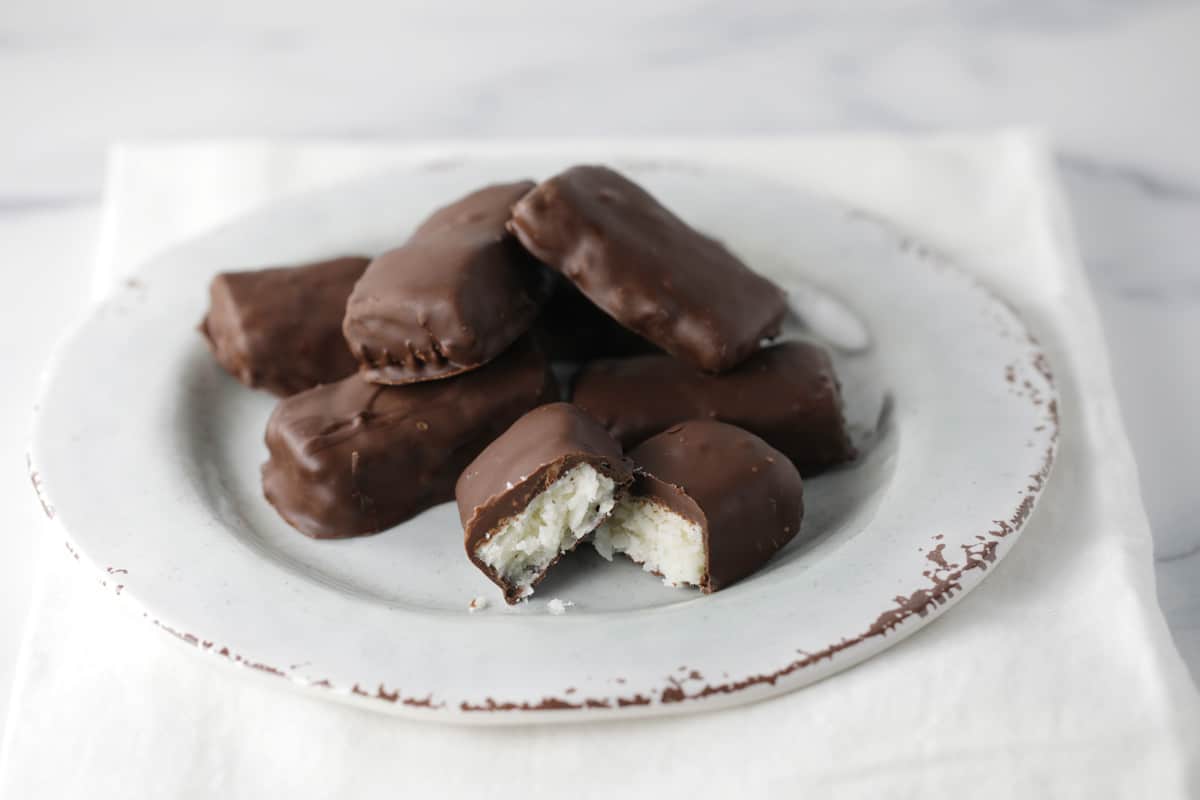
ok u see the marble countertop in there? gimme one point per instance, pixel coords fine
(1113, 82)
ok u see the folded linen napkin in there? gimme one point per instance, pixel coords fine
(1056, 677)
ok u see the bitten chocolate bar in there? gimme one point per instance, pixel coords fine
(787, 394)
(535, 492)
(711, 504)
(648, 269)
(452, 298)
(351, 458)
(281, 329)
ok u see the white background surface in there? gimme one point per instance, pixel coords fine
(1114, 82)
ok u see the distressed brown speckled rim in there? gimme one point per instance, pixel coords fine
(942, 583)
(945, 578)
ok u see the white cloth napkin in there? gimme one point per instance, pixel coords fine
(1056, 677)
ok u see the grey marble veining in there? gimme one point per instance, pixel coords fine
(1113, 81)
(75, 74)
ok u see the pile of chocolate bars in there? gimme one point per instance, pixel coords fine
(423, 375)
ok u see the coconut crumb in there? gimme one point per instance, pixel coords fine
(558, 607)
(477, 604)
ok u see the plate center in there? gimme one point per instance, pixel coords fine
(421, 563)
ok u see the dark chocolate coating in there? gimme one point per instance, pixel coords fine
(452, 298)
(352, 458)
(648, 269)
(746, 496)
(572, 328)
(281, 329)
(787, 394)
(536, 451)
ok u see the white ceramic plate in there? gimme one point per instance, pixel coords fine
(148, 456)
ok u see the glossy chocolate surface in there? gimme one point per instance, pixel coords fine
(572, 328)
(746, 496)
(452, 298)
(648, 269)
(787, 393)
(281, 329)
(352, 458)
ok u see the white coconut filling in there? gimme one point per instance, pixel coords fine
(553, 522)
(660, 540)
